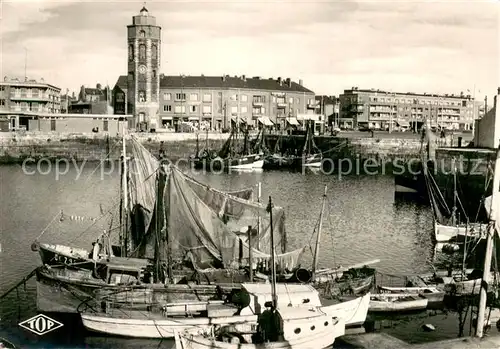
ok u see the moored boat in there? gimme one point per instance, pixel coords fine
(432, 294)
(400, 302)
(285, 328)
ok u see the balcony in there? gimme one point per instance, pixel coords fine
(28, 97)
(258, 103)
(282, 105)
(313, 105)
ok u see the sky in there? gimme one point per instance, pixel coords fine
(402, 46)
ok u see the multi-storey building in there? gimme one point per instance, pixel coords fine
(18, 96)
(220, 102)
(96, 100)
(213, 102)
(379, 109)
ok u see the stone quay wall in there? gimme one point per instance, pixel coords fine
(16, 147)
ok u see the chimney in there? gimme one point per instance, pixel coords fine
(289, 82)
(244, 78)
(301, 83)
(224, 77)
(279, 81)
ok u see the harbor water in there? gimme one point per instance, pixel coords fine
(362, 221)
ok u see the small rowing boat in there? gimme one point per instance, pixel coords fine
(397, 302)
(432, 294)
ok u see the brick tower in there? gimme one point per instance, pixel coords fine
(143, 82)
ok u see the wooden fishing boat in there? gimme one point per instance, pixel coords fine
(284, 328)
(401, 302)
(459, 232)
(432, 294)
(311, 155)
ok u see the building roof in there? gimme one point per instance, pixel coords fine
(227, 82)
(122, 82)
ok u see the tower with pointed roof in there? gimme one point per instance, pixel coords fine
(143, 81)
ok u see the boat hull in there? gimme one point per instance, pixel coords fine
(398, 303)
(353, 312)
(61, 254)
(313, 161)
(432, 294)
(445, 233)
(319, 340)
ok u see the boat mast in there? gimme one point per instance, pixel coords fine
(318, 238)
(495, 200)
(124, 250)
(259, 220)
(273, 262)
(454, 221)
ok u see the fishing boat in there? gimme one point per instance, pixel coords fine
(199, 234)
(285, 328)
(311, 155)
(432, 294)
(232, 156)
(397, 302)
(163, 319)
(447, 225)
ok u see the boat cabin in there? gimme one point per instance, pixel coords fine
(120, 270)
(287, 295)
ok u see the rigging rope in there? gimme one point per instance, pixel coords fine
(48, 225)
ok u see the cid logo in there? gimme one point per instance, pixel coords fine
(40, 324)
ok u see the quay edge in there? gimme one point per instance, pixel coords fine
(383, 340)
(15, 148)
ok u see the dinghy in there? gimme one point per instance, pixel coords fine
(398, 302)
(286, 328)
(432, 294)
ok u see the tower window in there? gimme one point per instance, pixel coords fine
(154, 73)
(131, 75)
(142, 51)
(142, 96)
(154, 52)
(130, 52)
(142, 34)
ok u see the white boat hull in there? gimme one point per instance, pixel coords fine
(248, 166)
(163, 328)
(353, 312)
(393, 303)
(444, 233)
(315, 339)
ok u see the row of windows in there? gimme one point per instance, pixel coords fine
(418, 101)
(207, 97)
(142, 52)
(207, 109)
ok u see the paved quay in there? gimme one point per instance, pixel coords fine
(386, 341)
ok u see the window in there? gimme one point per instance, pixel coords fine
(167, 108)
(105, 125)
(259, 99)
(52, 125)
(167, 97)
(180, 96)
(280, 100)
(234, 110)
(130, 52)
(290, 100)
(142, 96)
(273, 99)
(154, 73)
(207, 109)
(244, 98)
(154, 52)
(262, 110)
(207, 97)
(297, 100)
(193, 97)
(142, 51)
(142, 34)
(244, 109)
(2, 102)
(192, 109)
(234, 97)
(180, 109)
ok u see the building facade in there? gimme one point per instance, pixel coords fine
(18, 96)
(204, 102)
(392, 110)
(329, 107)
(221, 102)
(143, 79)
(96, 100)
